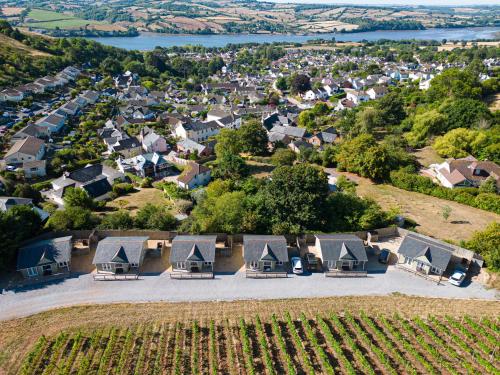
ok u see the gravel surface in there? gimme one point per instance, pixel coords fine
(84, 290)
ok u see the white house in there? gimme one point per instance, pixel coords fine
(151, 141)
(376, 92)
(356, 96)
(197, 131)
(195, 175)
(28, 149)
(11, 95)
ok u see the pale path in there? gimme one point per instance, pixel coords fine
(84, 290)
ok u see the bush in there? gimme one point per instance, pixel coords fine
(122, 188)
(468, 196)
(147, 182)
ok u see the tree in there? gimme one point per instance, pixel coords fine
(487, 243)
(392, 109)
(117, 220)
(155, 218)
(230, 166)
(295, 198)
(425, 124)
(282, 84)
(283, 156)
(16, 225)
(368, 119)
(78, 197)
(228, 141)
(454, 83)
(27, 191)
(446, 212)
(253, 138)
(300, 83)
(489, 186)
(464, 113)
(72, 218)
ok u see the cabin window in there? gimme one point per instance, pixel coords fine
(32, 272)
(181, 265)
(208, 263)
(106, 267)
(279, 263)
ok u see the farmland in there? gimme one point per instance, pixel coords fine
(282, 343)
(44, 19)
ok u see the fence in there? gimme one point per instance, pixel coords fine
(333, 273)
(190, 275)
(110, 276)
(265, 275)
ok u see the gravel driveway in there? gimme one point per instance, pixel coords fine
(84, 290)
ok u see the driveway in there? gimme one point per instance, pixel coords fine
(84, 290)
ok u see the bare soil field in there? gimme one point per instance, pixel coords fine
(450, 46)
(426, 211)
(19, 335)
(12, 11)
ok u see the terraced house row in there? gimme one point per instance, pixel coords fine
(120, 255)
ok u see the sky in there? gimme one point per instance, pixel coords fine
(396, 2)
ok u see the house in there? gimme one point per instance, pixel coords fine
(6, 203)
(119, 255)
(30, 130)
(151, 141)
(195, 175)
(193, 254)
(265, 253)
(34, 168)
(197, 131)
(322, 138)
(298, 146)
(11, 95)
(424, 255)
(466, 172)
(345, 104)
(28, 149)
(356, 96)
(291, 131)
(96, 180)
(70, 108)
(230, 122)
(151, 165)
(45, 258)
(53, 122)
(126, 147)
(341, 253)
(188, 147)
(377, 92)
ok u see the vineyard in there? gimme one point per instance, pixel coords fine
(281, 344)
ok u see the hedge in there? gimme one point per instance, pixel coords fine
(468, 196)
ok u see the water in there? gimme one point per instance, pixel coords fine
(148, 41)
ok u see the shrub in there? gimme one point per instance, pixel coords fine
(122, 188)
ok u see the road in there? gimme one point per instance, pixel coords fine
(84, 290)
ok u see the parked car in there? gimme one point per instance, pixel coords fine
(10, 168)
(297, 265)
(457, 278)
(384, 256)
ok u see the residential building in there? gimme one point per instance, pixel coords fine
(120, 255)
(195, 175)
(193, 254)
(341, 252)
(45, 258)
(197, 131)
(151, 165)
(24, 150)
(264, 253)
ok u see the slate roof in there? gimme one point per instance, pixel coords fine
(430, 251)
(336, 247)
(194, 248)
(9, 202)
(29, 146)
(44, 252)
(199, 126)
(291, 131)
(97, 187)
(262, 247)
(192, 170)
(119, 250)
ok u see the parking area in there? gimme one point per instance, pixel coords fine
(83, 289)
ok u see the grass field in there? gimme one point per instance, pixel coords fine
(44, 19)
(263, 338)
(139, 199)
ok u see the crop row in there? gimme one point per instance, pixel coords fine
(281, 344)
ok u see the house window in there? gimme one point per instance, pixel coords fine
(63, 264)
(279, 263)
(32, 272)
(181, 265)
(254, 264)
(133, 265)
(208, 263)
(106, 267)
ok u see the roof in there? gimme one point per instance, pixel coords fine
(55, 250)
(198, 126)
(262, 247)
(97, 187)
(9, 202)
(342, 247)
(29, 146)
(427, 250)
(119, 250)
(194, 248)
(191, 171)
(291, 131)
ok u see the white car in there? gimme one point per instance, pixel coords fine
(297, 265)
(457, 278)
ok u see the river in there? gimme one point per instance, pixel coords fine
(148, 41)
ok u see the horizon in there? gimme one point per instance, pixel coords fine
(445, 3)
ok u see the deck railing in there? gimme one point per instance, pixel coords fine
(113, 276)
(266, 274)
(191, 275)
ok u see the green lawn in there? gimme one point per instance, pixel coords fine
(46, 19)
